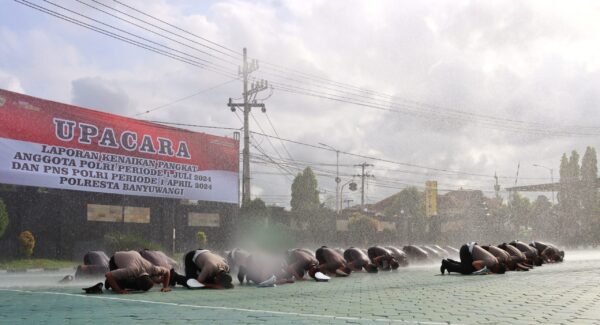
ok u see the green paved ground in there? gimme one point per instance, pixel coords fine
(567, 293)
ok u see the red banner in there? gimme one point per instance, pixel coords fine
(50, 144)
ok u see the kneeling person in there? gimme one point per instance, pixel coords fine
(129, 270)
(210, 269)
(357, 260)
(472, 258)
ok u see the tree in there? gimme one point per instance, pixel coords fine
(305, 196)
(202, 239)
(3, 218)
(27, 243)
(362, 228)
(409, 202)
(589, 192)
(255, 211)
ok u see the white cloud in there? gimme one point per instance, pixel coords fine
(534, 61)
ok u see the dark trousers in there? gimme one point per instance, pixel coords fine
(465, 266)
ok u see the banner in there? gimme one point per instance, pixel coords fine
(431, 198)
(54, 145)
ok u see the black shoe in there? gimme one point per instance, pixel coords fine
(97, 288)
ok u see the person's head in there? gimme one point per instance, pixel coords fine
(394, 264)
(347, 269)
(312, 270)
(498, 268)
(144, 282)
(224, 279)
(371, 268)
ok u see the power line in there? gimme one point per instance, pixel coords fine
(488, 120)
(186, 97)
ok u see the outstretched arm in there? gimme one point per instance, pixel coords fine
(113, 283)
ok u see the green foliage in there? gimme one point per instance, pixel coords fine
(3, 218)
(117, 241)
(254, 211)
(202, 239)
(409, 202)
(27, 242)
(362, 229)
(305, 195)
(35, 263)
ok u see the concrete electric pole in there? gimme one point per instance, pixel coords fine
(338, 203)
(362, 186)
(249, 96)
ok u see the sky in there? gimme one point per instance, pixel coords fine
(453, 91)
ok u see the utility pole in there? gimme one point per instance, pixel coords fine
(362, 186)
(249, 96)
(338, 203)
(348, 203)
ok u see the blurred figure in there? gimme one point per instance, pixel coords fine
(264, 270)
(444, 252)
(130, 271)
(209, 269)
(382, 258)
(331, 262)
(95, 264)
(472, 258)
(415, 253)
(433, 253)
(399, 255)
(357, 260)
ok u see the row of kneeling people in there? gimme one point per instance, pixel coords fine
(513, 256)
(132, 270)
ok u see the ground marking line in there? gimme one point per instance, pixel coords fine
(222, 308)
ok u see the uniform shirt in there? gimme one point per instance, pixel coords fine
(513, 251)
(131, 264)
(499, 253)
(326, 255)
(96, 258)
(377, 251)
(209, 264)
(399, 255)
(356, 256)
(158, 258)
(303, 257)
(480, 254)
(415, 252)
(529, 251)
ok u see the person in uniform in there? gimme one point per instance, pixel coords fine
(472, 258)
(130, 271)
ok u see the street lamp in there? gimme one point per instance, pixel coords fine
(352, 188)
(551, 178)
(338, 203)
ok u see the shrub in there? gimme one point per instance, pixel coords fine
(3, 218)
(116, 241)
(27, 243)
(202, 239)
(362, 229)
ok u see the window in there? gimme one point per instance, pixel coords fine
(136, 215)
(204, 219)
(107, 213)
(117, 213)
